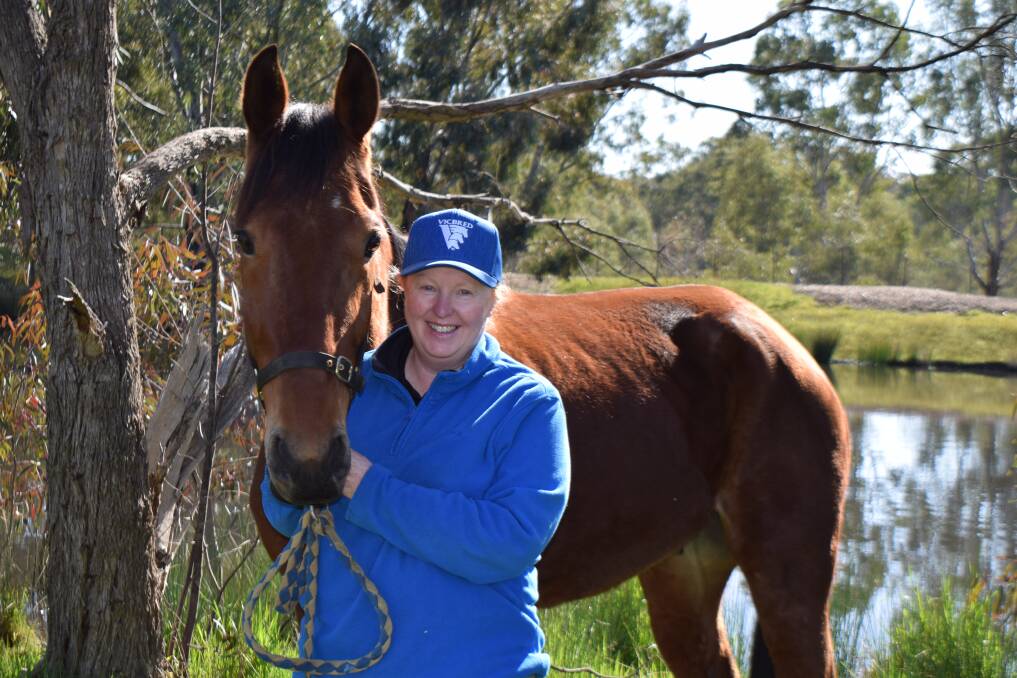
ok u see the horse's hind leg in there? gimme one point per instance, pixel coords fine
(792, 606)
(782, 514)
(683, 593)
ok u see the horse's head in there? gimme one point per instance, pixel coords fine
(314, 265)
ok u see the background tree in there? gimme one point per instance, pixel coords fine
(103, 603)
(436, 51)
(973, 103)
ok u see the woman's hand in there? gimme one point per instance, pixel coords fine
(358, 467)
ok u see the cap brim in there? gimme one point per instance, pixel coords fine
(472, 270)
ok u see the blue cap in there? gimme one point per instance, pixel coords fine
(458, 239)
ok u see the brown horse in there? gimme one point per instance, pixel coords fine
(703, 435)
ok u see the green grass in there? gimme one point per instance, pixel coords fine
(942, 637)
(933, 637)
(20, 648)
(866, 334)
(609, 633)
(218, 647)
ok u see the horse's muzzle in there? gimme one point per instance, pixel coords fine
(307, 481)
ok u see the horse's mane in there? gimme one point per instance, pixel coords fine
(297, 155)
(398, 241)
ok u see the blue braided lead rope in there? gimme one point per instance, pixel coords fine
(300, 586)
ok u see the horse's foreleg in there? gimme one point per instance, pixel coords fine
(683, 594)
(273, 541)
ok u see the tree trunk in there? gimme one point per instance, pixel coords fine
(104, 607)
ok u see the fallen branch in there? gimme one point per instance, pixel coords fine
(173, 441)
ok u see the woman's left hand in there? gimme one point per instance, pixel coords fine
(358, 467)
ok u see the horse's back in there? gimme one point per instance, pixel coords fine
(626, 339)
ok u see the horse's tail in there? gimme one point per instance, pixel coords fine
(762, 665)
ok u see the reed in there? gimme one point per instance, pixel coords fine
(878, 353)
(944, 636)
(822, 344)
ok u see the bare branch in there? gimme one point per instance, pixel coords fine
(144, 177)
(879, 22)
(575, 244)
(139, 99)
(807, 65)
(430, 111)
(749, 115)
(897, 34)
(418, 196)
(635, 77)
(149, 173)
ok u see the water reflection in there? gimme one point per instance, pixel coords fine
(932, 495)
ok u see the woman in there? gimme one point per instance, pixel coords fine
(458, 479)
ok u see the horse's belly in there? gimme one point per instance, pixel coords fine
(638, 494)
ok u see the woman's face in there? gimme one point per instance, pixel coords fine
(446, 310)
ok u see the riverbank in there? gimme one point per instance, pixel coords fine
(902, 327)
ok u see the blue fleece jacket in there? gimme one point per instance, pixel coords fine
(465, 491)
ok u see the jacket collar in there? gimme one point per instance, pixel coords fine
(382, 359)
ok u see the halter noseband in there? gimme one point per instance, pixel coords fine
(337, 365)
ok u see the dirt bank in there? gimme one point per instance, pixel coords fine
(914, 299)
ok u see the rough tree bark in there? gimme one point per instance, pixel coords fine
(104, 606)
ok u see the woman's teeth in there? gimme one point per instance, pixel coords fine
(442, 329)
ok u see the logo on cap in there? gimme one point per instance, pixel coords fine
(455, 232)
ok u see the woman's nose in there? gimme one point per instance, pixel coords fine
(443, 305)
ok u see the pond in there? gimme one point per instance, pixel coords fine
(933, 495)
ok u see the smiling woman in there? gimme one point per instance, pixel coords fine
(458, 477)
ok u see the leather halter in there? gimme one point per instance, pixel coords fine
(337, 365)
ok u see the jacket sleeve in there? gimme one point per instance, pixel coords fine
(483, 539)
(285, 518)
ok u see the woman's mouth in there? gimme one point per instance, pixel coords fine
(442, 329)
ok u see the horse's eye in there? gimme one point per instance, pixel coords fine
(372, 244)
(244, 242)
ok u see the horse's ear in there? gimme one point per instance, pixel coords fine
(357, 94)
(265, 92)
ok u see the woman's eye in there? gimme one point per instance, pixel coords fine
(244, 242)
(372, 245)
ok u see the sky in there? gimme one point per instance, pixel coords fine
(681, 124)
